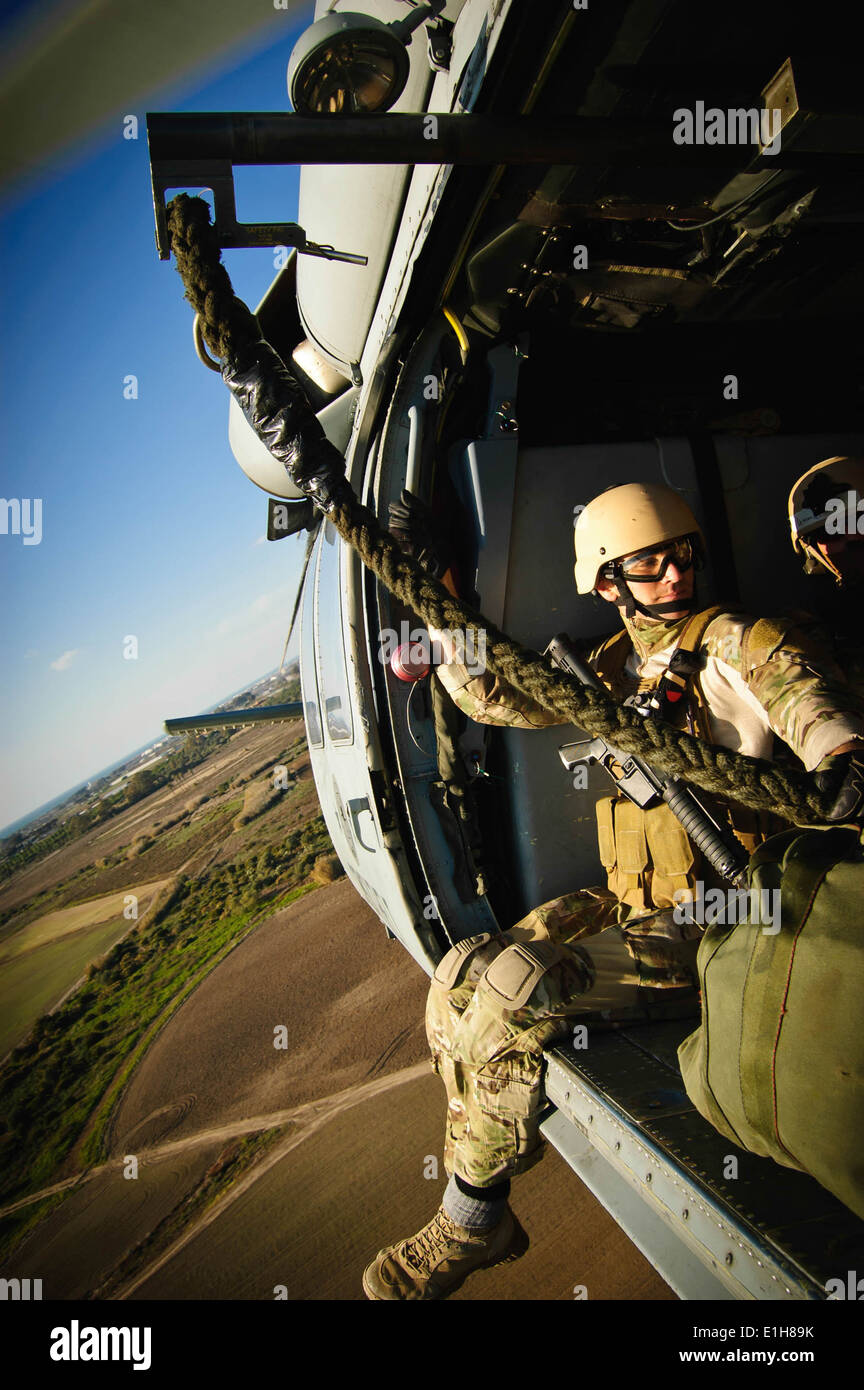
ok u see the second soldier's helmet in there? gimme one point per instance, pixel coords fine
(626, 519)
(819, 495)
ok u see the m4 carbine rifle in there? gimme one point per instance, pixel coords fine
(637, 780)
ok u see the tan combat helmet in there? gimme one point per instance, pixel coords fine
(625, 519)
(828, 482)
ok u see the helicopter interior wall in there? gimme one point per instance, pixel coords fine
(548, 827)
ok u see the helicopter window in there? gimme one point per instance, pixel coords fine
(308, 677)
(332, 675)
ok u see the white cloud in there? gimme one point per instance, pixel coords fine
(65, 661)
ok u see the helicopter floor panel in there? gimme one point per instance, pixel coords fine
(764, 1230)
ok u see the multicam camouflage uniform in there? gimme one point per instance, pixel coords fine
(497, 1002)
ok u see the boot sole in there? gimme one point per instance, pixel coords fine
(519, 1243)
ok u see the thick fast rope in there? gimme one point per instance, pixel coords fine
(227, 324)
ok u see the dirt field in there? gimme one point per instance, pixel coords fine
(349, 1177)
(78, 1244)
(352, 1003)
(311, 1224)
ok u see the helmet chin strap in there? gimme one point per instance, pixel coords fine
(817, 561)
(629, 604)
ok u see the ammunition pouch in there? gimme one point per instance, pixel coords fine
(646, 854)
(649, 860)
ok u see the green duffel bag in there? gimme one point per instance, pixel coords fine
(777, 1064)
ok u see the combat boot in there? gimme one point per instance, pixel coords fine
(439, 1258)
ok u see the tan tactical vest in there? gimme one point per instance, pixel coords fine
(647, 855)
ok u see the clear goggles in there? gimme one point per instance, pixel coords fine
(649, 566)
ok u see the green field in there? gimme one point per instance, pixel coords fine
(32, 983)
(40, 962)
(74, 917)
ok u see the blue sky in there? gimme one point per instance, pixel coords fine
(149, 527)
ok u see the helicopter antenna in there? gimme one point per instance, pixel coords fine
(310, 541)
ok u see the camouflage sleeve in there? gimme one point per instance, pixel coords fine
(805, 696)
(484, 697)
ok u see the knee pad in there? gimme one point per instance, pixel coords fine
(461, 960)
(513, 977)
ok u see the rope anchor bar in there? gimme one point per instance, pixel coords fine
(200, 149)
(218, 176)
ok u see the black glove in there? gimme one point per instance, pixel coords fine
(849, 804)
(412, 525)
(276, 407)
